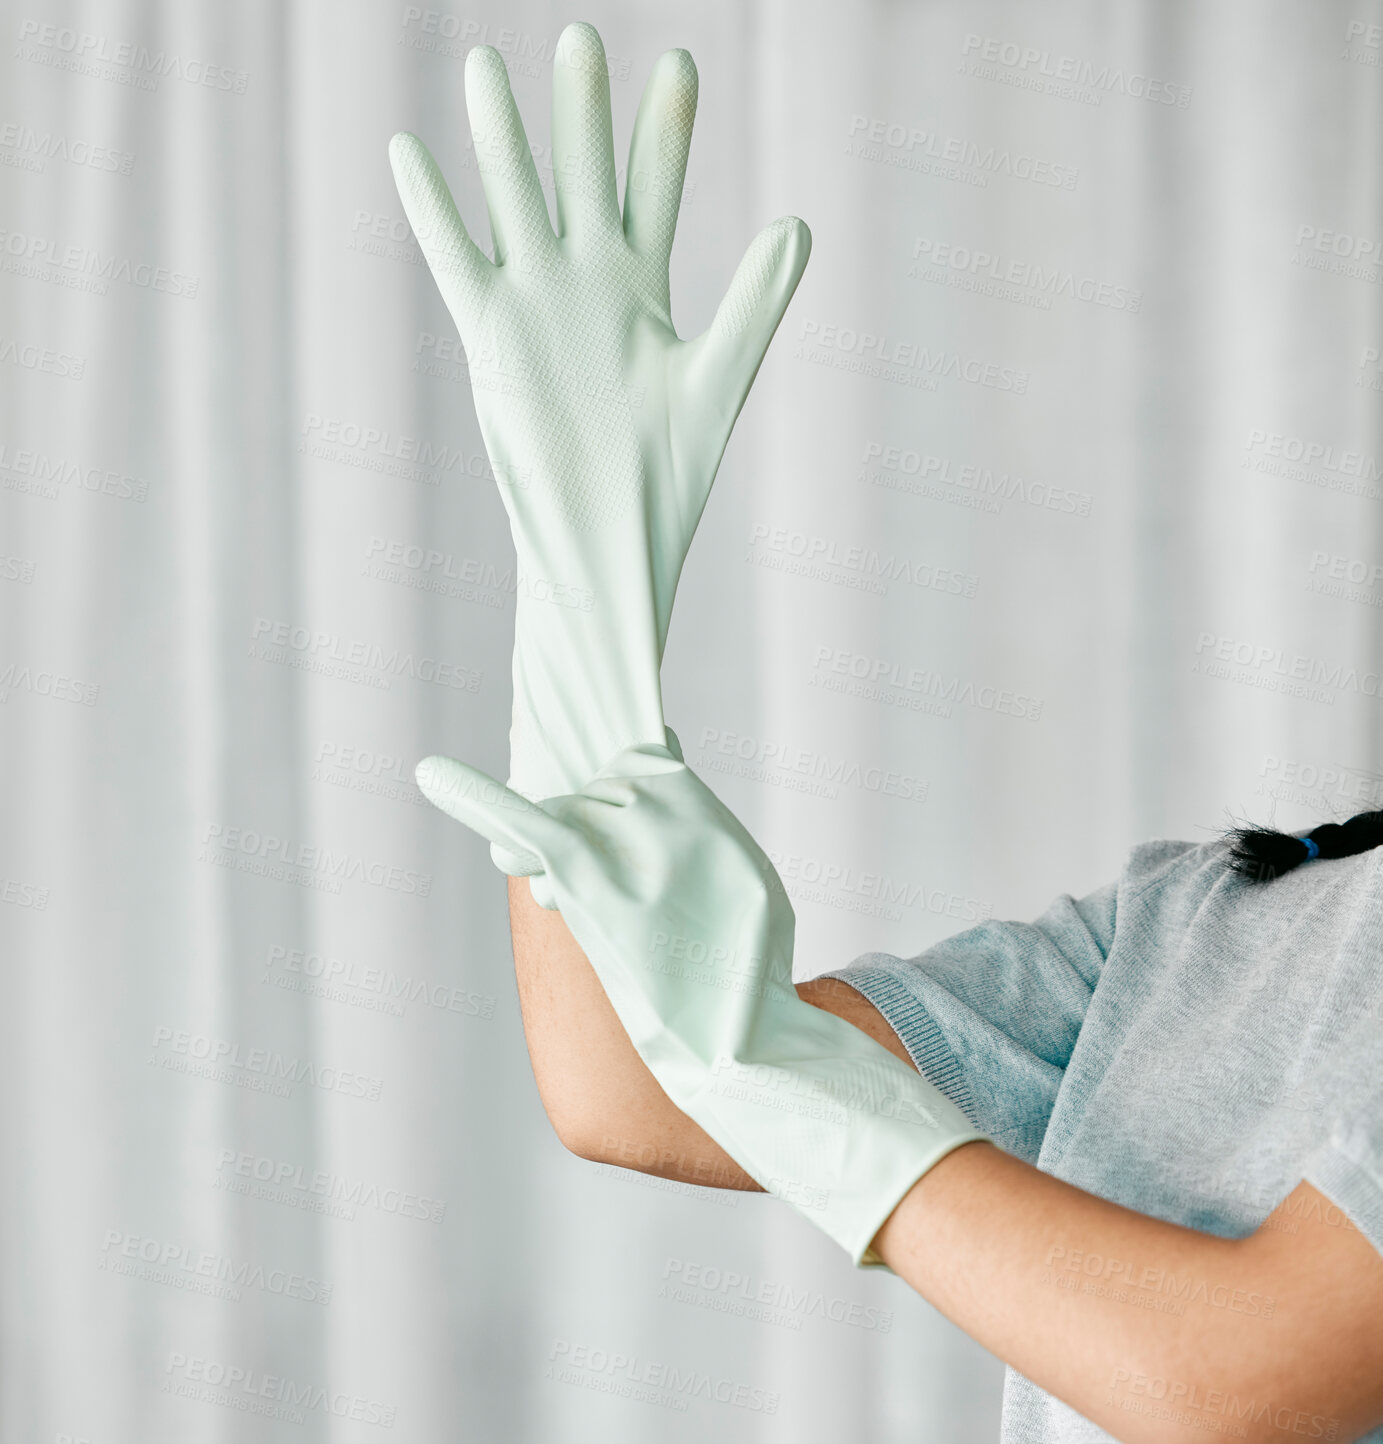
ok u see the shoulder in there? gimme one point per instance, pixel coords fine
(1170, 865)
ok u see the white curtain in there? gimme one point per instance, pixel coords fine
(1052, 524)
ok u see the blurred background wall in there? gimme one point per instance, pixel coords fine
(1053, 523)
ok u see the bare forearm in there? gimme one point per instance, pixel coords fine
(1152, 1331)
(603, 1102)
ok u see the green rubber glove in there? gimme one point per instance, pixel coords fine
(604, 429)
(690, 932)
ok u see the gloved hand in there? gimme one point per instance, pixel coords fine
(603, 428)
(690, 932)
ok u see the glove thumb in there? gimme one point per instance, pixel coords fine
(732, 348)
(493, 810)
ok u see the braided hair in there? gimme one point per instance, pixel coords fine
(1263, 853)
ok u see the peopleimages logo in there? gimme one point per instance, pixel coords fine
(890, 358)
(376, 448)
(813, 879)
(911, 147)
(44, 474)
(86, 53)
(42, 358)
(1329, 457)
(300, 970)
(15, 677)
(858, 565)
(1340, 243)
(937, 258)
(1029, 60)
(970, 484)
(766, 1300)
(837, 669)
(21, 894)
(293, 1182)
(225, 1060)
(352, 659)
(772, 755)
(310, 857)
(28, 149)
(87, 268)
(1351, 579)
(654, 1381)
(1276, 669)
(161, 1261)
(1314, 463)
(1319, 785)
(250, 1390)
(439, 32)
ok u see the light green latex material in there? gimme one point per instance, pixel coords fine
(687, 926)
(604, 429)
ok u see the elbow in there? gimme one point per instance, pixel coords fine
(589, 1147)
(581, 1136)
(1259, 1396)
(1251, 1408)
(1286, 1403)
(576, 1114)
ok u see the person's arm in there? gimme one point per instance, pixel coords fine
(1152, 1331)
(604, 1104)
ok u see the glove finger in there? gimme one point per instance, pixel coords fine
(518, 213)
(583, 145)
(490, 808)
(732, 347)
(462, 272)
(658, 155)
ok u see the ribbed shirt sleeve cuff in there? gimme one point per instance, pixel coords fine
(1348, 1173)
(915, 1026)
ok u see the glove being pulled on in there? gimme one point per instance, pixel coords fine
(689, 930)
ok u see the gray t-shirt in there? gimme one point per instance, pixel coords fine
(1185, 1043)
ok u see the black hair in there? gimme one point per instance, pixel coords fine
(1263, 853)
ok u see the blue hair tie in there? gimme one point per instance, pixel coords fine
(1313, 848)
